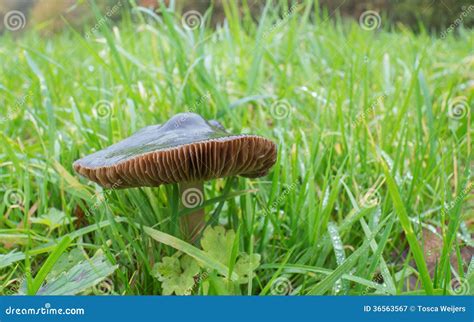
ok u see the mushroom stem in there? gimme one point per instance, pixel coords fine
(192, 195)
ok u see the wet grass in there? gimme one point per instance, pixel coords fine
(374, 134)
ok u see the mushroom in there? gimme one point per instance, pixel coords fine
(186, 150)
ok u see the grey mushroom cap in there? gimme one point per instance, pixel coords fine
(186, 148)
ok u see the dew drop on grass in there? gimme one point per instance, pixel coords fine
(325, 199)
(142, 90)
(377, 214)
(336, 243)
(464, 232)
(338, 251)
(408, 176)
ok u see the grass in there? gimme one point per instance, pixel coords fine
(369, 151)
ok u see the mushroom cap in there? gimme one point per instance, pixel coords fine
(186, 148)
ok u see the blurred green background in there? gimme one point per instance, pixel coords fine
(432, 15)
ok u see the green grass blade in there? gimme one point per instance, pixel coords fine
(328, 282)
(48, 265)
(408, 229)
